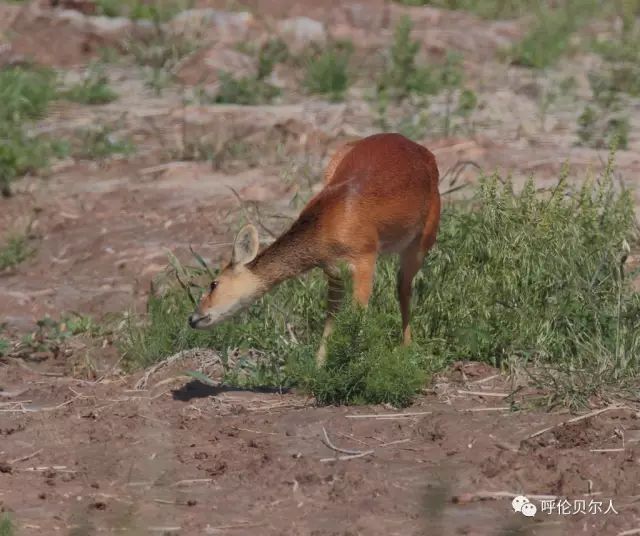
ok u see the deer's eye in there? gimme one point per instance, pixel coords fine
(213, 286)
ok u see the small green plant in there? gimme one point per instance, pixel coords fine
(616, 79)
(6, 527)
(15, 250)
(157, 11)
(53, 336)
(274, 51)
(5, 346)
(110, 8)
(402, 76)
(158, 56)
(25, 94)
(624, 46)
(550, 35)
(21, 153)
(365, 364)
(94, 88)
(327, 71)
(246, 90)
(102, 142)
(603, 121)
(467, 103)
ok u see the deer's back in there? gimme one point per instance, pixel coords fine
(379, 194)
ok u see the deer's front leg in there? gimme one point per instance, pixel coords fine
(335, 296)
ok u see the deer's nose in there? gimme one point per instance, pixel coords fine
(193, 319)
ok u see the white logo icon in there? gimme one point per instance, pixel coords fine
(524, 506)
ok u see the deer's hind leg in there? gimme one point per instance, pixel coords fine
(335, 296)
(411, 260)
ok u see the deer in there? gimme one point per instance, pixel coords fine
(380, 196)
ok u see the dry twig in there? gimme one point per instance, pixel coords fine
(350, 454)
(574, 420)
(388, 415)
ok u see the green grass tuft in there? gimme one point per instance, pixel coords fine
(102, 142)
(403, 76)
(274, 51)
(157, 11)
(6, 527)
(550, 35)
(246, 90)
(94, 88)
(15, 250)
(25, 94)
(327, 71)
(525, 280)
(364, 366)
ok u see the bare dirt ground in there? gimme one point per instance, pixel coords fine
(84, 457)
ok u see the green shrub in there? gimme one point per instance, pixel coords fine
(625, 46)
(94, 88)
(110, 8)
(246, 90)
(604, 120)
(20, 154)
(551, 33)
(403, 76)
(327, 72)
(274, 51)
(158, 56)
(364, 366)
(102, 142)
(523, 280)
(5, 347)
(25, 94)
(157, 11)
(14, 251)
(6, 527)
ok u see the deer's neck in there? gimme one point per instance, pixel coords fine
(292, 254)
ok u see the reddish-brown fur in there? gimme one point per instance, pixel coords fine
(380, 195)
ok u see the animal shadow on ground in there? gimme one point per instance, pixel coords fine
(197, 389)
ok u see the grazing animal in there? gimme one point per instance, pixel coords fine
(380, 196)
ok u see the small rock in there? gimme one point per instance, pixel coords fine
(299, 32)
(5, 467)
(204, 67)
(110, 25)
(221, 26)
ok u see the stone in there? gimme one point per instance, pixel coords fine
(299, 32)
(204, 66)
(208, 23)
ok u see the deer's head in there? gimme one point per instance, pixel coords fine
(236, 286)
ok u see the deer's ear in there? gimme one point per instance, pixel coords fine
(246, 245)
